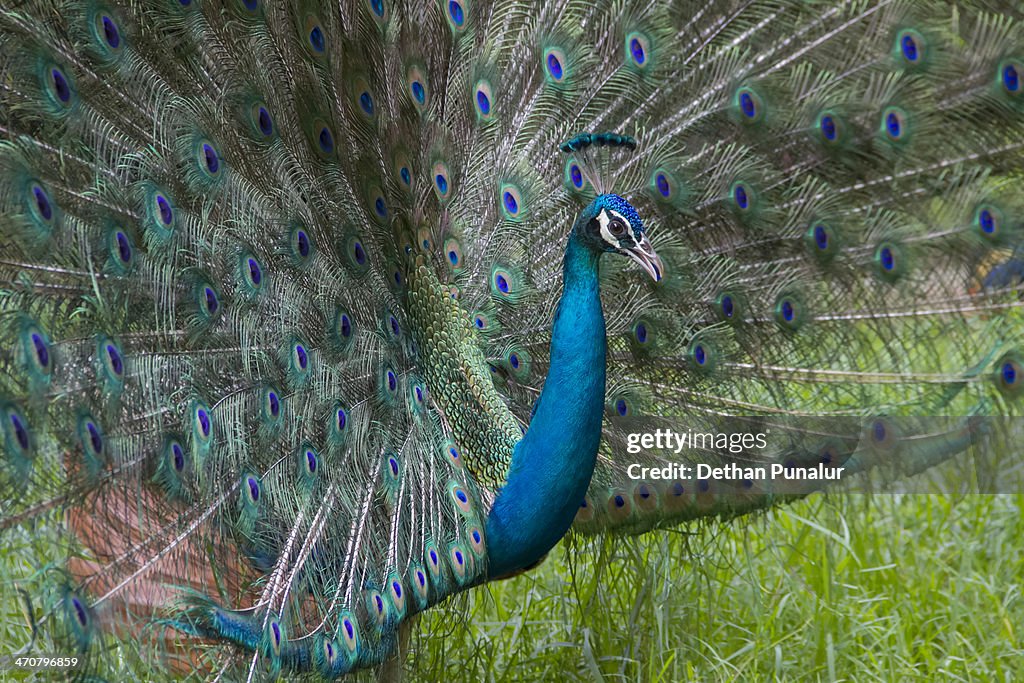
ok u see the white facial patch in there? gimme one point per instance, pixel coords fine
(604, 219)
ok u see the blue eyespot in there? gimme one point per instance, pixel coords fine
(747, 105)
(164, 209)
(886, 258)
(301, 356)
(210, 300)
(456, 13)
(340, 418)
(20, 430)
(827, 125)
(699, 354)
(380, 207)
(442, 180)
(122, 247)
(211, 159)
(255, 274)
(377, 7)
(1010, 77)
(554, 67)
(501, 283)
(264, 122)
(741, 197)
(61, 87)
(392, 380)
(326, 140)
(988, 220)
(366, 103)
(621, 407)
(95, 439)
(80, 614)
(254, 495)
(789, 312)
(511, 205)
(879, 430)
(910, 47)
(727, 305)
(1009, 373)
(316, 39)
(637, 50)
(203, 419)
(418, 93)
(576, 176)
(821, 241)
(637, 47)
(177, 456)
(894, 124)
(661, 182)
(453, 250)
(405, 175)
(302, 243)
(640, 331)
(273, 404)
(275, 628)
(359, 253)
(109, 32)
(42, 350)
(555, 64)
(483, 102)
(821, 237)
(43, 206)
(114, 360)
(513, 360)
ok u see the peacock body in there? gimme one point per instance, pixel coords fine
(307, 324)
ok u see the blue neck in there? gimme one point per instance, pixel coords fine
(553, 463)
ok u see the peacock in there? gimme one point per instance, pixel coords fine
(314, 315)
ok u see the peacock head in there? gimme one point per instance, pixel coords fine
(611, 224)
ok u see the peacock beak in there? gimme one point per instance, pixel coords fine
(643, 253)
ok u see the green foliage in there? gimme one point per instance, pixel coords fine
(848, 588)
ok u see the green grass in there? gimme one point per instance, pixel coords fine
(851, 588)
(844, 588)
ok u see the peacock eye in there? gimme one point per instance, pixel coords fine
(617, 228)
